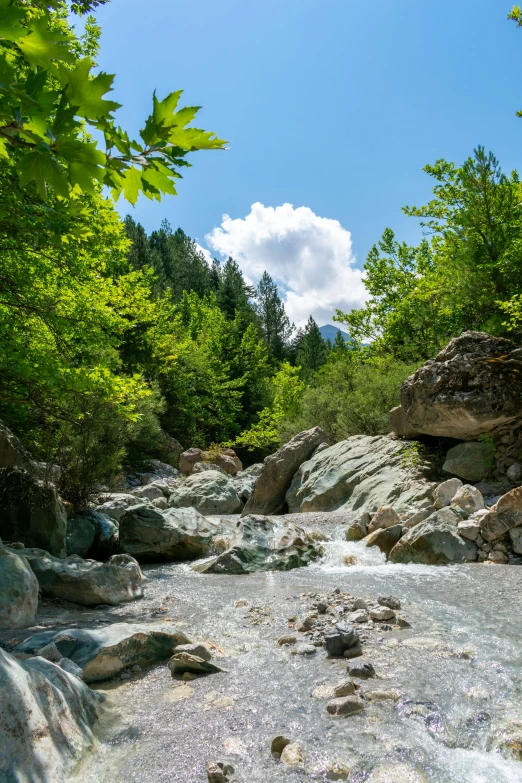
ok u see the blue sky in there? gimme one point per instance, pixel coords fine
(332, 106)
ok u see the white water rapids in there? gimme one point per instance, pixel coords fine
(457, 668)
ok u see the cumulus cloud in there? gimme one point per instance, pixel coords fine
(309, 256)
(207, 255)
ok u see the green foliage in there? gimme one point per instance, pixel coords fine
(50, 96)
(286, 390)
(352, 394)
(467, 275)
(312, 350)
(273, 320)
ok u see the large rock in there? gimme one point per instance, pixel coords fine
(150, 534)
(471, 461)
(86, 582)
(503, 516)
(471, 387)
(18, 591)
(435, 541)
(385, 538)
(31, 512)
(263, 544)
(209, 493)
(279, 469)
(101, 653)
(46, 717)
(12, 453)
(92, 533)
(226, 459)
(115, 504)
(361, 472)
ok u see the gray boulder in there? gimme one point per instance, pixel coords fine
(46, 717)
(471, 387)
(358, 529)
(385, 538)
(85, 582)
(92, 533)
(361, 472)
(115, 504)
(264, 544)
(148, 492)
(435, 541)
(18, 591)
(471, 461)
(503, 516)
(102, 653)
(12, 453)
(209, 493)
(279, 469)
(80, 535)
(31, 511)
(150, 534)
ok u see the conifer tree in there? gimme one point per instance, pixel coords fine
(313, 351)
(274, 321)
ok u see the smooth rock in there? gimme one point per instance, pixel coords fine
(86, 582)
(435, 542)
(469, 528)
(31, 511)
(264, 544)
(353, 652)
(219, 772)
(147, 492)
(382, 613)
(385, 517)
(46, 719)
(278, 744)
(418, 517)
(503, 516)
(80, 536)
(345, 706)
(305, 649)
(278, 471)
(198, 649)
(515, 535)
(344, 688)
(182, 662)
(514, 473)
(471, 461)
(116, 504)
(382, 695)
(209, 493)
(287, 639)
(471, 387)
(18, 591)
(445, 492)
(359, 616)
(50, 652)
(102, 653)
(385, 539)
(358, 529)
(150, 534)
(359, 472)
(468, 499)
(292, 755)
(391, 601)
(70, 667)
(363, 670)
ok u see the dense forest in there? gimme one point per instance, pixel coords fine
(118, 345)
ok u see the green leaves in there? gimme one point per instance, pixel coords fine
(49, 97)
(85, 92)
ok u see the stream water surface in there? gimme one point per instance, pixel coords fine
(457, 670)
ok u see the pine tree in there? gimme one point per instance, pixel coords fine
(274, 321)
(233, 294)
(313, 351)
(339, 345)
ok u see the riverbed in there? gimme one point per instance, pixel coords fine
(456, 674)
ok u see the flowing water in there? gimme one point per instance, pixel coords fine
(457, 670)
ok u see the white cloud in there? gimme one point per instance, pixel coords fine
(311, 257)
(207, 255)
